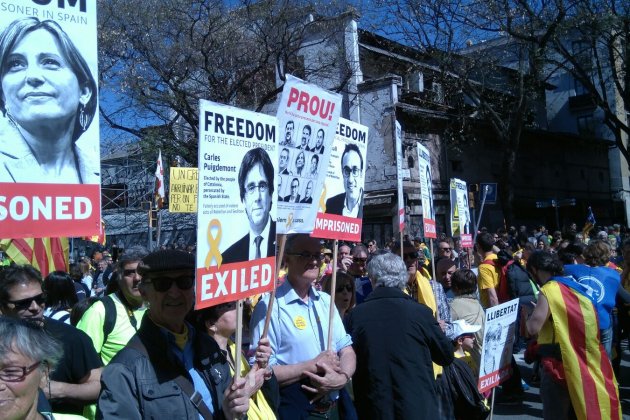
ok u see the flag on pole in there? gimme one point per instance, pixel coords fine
(100, 238)
(45, 254)
(590, 222)
(159, 182)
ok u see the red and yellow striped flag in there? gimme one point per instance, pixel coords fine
(590, 378)
(45, 254)
(100, 238)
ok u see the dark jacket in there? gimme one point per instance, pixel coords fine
(239, 250)
(137, 387)
(396, 339)
(334, 205)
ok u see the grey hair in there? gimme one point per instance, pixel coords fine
(131, 255)
(21, 337)
(388, 270)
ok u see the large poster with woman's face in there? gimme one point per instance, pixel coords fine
(49, 134)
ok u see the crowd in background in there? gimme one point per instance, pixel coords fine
(101, 304)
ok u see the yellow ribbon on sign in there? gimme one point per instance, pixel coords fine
(214, 253)
(289, 220)
(322, 200)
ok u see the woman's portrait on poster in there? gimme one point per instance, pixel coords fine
(48, 98)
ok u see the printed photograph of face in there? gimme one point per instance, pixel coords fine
(256, 188)
(350, 202)
(48, 98)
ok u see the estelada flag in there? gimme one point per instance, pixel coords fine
(159, 183)
(45, 254)
(590, 222)
(590, 378)
(100, 238)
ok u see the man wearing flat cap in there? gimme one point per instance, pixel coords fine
(168, 370)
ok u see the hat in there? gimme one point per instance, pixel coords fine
(461, 327)
(167, 260)
(326, 251)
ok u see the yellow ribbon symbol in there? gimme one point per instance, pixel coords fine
(214, 244)
(322, 200)
(289, 220)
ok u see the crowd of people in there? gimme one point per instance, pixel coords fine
(117, 337)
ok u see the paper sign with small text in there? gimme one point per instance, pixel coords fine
(182, 193)
(498, 339)
(236, 212)
(308, 117)
(49, 128)
(426, 192)
(341, 203)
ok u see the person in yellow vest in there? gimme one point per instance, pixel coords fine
(577, 378)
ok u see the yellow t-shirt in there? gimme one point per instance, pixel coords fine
(488, 279)
(259, 409)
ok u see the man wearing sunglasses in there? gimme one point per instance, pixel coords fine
(166, 369)
(350, 202)
(75, 383)
(309, 374)
(358, 270)
(256, 184)
(112, 321)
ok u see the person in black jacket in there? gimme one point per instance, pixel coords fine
(396, 340)
(168, 369)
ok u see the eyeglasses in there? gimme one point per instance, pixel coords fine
(17, 373)
(262, 187)
(24, 304)
(162, 284)
(359, 260)
(307, 255)
(355, 171)
(445, 249)
(346, 287)
(130, 272)
(410, 255)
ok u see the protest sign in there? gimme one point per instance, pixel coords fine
(341, 203)
(460, 214)
(498, 338)
(308, 115)
(49, 134)
(236, 227)
(426, 192)
(182, 193)
(399, 178)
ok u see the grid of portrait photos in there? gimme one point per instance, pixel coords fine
(301, 156)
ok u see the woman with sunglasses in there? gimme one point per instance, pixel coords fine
(27, 355)
(345, 295)
(219, 322)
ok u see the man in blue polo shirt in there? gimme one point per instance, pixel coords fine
(309, 375)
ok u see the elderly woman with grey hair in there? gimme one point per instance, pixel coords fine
(396, 341)
(27, 355)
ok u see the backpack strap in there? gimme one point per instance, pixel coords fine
(110, 316)
(194, 397)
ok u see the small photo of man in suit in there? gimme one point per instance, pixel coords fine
(308, 198)
(288, 134)
(350, 202)
(294, 197)
(284, 162)
(256, 185)
(306, 138)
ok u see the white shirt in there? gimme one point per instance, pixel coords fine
(263, 243)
